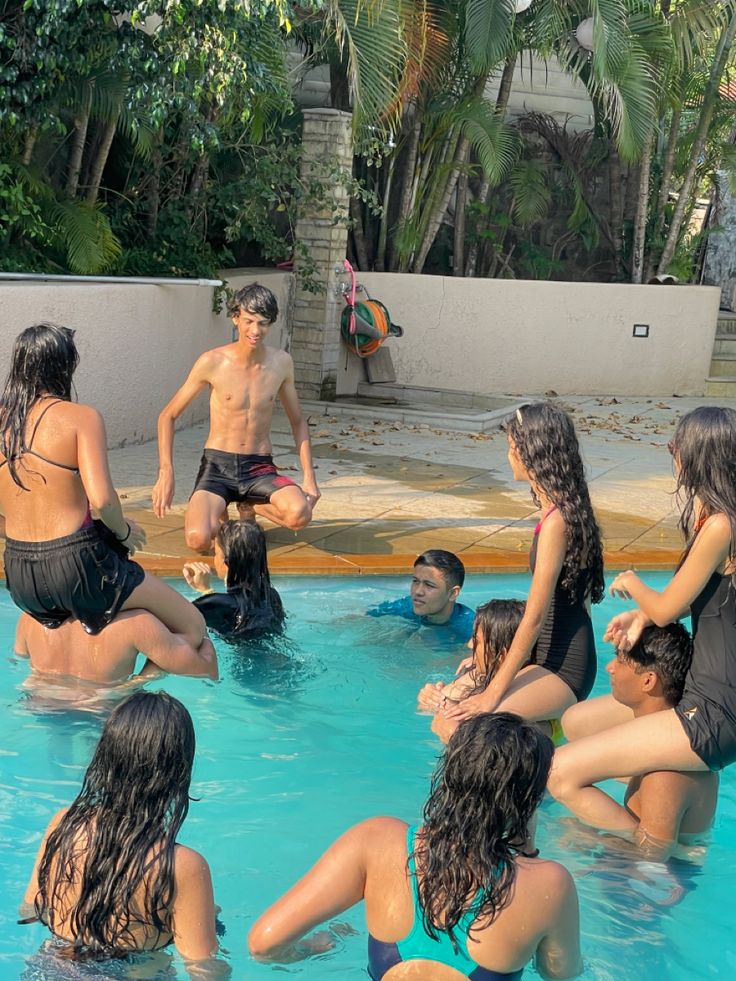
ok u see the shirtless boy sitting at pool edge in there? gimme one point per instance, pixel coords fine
(244, 380)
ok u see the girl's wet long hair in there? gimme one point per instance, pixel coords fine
(43, 362)
(116, 842)
(243, 545)
(485, 791)
(545, 438)
(705, 446)
(496, 622)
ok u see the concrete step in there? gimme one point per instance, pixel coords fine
(724, 344)
(721, 386)
(723, 365)
(726, 322)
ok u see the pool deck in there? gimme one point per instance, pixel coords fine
(390, 490)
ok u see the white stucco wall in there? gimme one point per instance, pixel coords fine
(522, 337)
(136, 343)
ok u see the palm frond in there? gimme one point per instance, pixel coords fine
(532, 194)
(84, 233)
(376, 51)
(488, 28)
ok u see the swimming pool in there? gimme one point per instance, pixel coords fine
(295, 746)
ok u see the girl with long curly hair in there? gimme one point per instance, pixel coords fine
(110, 877)
(699, 733)
(494, 627)
(551, 664)
(462, 893)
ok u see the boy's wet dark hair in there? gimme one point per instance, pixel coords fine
(452, 569)
(668, 652)
(255, 299)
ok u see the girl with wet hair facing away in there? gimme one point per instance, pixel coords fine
(462, 895)
(551, 663)
(110, 877)
(59, 562)
(495, 625)
(251, 607)
(699, 733)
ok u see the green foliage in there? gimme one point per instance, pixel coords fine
(488, 30)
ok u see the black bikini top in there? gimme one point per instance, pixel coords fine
(29, 448)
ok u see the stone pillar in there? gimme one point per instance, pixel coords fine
(315, 335)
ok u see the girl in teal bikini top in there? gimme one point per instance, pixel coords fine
(455, 892)
(419, 945)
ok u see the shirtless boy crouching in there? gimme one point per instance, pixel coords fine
(244, 379)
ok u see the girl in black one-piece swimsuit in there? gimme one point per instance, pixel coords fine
(700, 732)
(551, 663)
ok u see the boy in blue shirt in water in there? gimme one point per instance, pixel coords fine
(435, 586)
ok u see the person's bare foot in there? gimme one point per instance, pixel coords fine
(246, 511)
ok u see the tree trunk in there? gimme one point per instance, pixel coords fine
(154, 186)
(462, 152)
(438, 213)
(504, 86)
(616, 209)
(380, 263)
(668, 166)
(502, 101)
(29, 144)
(81, 124)
(706, 114)
(458, 253)
(412, 151)
(95, 177)
(358, 237)
(642, 214)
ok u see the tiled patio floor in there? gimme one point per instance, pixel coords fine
(391, 490)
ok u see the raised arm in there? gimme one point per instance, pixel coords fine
(171, 652)
(551, 550)
(300, 429)
(333, 885)
(708, 554)
(558, 954)
(197, 381)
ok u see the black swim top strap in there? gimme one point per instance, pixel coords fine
(29, 444)
(40, 456)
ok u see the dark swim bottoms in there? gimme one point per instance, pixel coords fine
(711, 731)
(236, 477)
(87, 575)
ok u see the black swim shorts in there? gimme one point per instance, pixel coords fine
(236, 477)
(711, 731)
(87, 575)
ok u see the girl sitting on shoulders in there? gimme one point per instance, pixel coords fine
(699, 733)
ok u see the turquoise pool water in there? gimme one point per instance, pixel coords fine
(295, 746)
